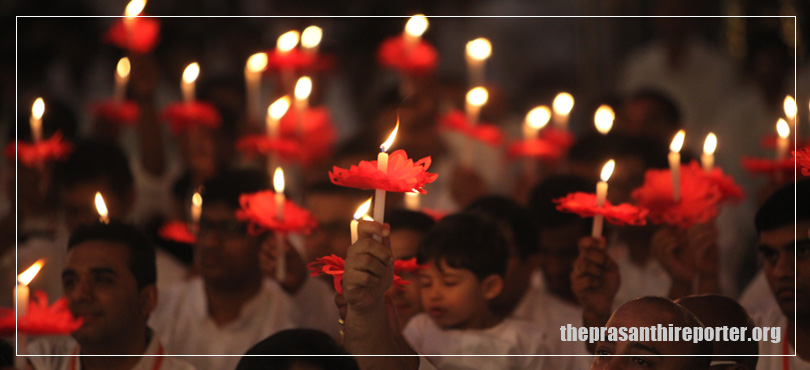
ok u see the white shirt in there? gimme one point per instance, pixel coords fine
(68, 346)
(182, 322)
(757, 298)
(510, 337)
(638, 281)
(766, 347)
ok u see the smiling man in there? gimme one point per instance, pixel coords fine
(109, 282)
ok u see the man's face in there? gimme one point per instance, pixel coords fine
(453, 297)
(558, 251)
(101, 289)
(779, 262)
(224, 252)
(642, 355)
(80, 207)
(334, 213)
(407, 301)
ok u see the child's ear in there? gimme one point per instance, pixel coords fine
(491, 286)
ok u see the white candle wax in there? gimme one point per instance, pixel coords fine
(379, 194)
(22, 293)
(412, 201)
(598, 220)
(353, 226)
(675, 170)
(707, 160)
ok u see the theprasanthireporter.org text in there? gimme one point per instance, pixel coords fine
(669, 333)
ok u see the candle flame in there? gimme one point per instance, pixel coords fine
(196, 199)
(538, 117)
(123, 67)
(563, 103)
(677, 142)
(303, 88)
(782, 128)
(363, 209)
(417, 25)
(38, 109)
(311, 37)
(607, 170)
(279, 108)
(101, 207)
(710, 144)
(287, 41)
(191, 73)
(477, 96)
(603, 119)
(278, 180)
(257, 62)
(390, 141)
(134, 8)
(790, 107)
(479, 49)
(26, 276)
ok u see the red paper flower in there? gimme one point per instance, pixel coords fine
(561, 138)
(112, 111)
(420, 59)
(177, 231)
(772, 141)
(457, 121)
(697, 204)
(145, 32)
(409, 265)
(584, 204)
(253, 145)
(260, 210)
(317, 134)
(436, 215)
(183, 115)
(32, 155)
(768, 166)
(803, 159)
(403, 174)
(335, 266)
(535, 148)
(298, 61)
(40, 319)
(729, 190)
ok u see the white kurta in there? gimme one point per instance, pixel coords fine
(766, 347)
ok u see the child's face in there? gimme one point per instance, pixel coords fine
(453, 297)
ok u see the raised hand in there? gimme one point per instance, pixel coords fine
(595, 281)
(296, 267)
(369, 269)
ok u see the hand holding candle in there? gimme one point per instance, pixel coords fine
(101, 207)
(358, 215)
(382, 165)
(190, 75)
(121, 79)
(563, 104)
(601, 195)
(478, 51)
(603, 119)
(675, 164)
(37, 110)
(709, 146)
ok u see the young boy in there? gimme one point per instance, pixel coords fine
(466, 257)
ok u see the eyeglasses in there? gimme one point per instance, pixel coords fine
(225, 229)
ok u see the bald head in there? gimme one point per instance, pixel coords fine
(718, 311)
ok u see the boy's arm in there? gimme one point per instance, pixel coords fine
(368, 273)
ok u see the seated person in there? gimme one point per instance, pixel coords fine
(787, 272)
(466, 259)
(718, 311)
(645, 312)
(109, 282)
(294, 349)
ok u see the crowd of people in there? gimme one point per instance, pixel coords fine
(499, 270)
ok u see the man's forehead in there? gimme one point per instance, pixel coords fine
(97, 254)
(785, 235)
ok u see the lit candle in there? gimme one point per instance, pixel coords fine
(121, 79)
(285, 43)
(416, 26)
(101, 207)
(23, 280)
(190, 75)
(790, 111)
(302, 90)
(783, 130)
(478, 51)
(311, 38)
(382, 165)
(274, 113)
(476, 98)
(361, 211)
(412, 202)
(536, 119)
(707, 159)
(196, 211)
(675, 164)
(601, 195)
(37, 110)
(603, 119)
(254, 67)
(133, 9)
(278, 186)
(563, 103)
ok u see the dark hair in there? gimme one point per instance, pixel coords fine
(141, 260)
(467, 241)
(93, 160)
(227, 186)
(297, 346)
(541, 200)
(668, 106)
(519, 220)
(400, 219)
(778, 210)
